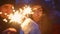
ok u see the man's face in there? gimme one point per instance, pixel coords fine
(37, 13)
(6, 8)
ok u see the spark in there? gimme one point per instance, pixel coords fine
(5, 20)
(0, 12)
(12, 7)
(13, 10)
(5, 13)
(27, 10)
(16, 17)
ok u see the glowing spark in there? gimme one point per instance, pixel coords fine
(21, 11)
(27, 10)
(5, 20)
(13, 10)
(12, 7)
(15, 17)
(0, 12)
(5, 13)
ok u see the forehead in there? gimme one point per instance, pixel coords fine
(37, 8)
(6, 5)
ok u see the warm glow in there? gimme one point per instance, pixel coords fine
(27, 10)
(5, 20)
(0, 12)
(19, 15)
(13, 10)
(16, 17)
(5, 13)
(12, 7)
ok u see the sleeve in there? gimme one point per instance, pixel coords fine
(35, 31)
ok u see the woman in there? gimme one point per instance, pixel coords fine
(30, 25)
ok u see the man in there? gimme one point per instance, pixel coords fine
(5, 9)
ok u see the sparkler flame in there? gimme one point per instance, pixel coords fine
(18, 16)
(27, 10)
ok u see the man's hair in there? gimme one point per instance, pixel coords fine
(2, 2)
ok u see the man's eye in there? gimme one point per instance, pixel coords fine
(6, 7)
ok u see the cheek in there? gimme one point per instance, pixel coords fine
(34, 15)
(9, 11)
(37, 16)
(3, 10)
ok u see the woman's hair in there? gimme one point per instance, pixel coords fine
(39, 6)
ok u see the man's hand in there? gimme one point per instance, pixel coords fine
(9, 31)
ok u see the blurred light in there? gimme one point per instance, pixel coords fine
(5, 20)
(0, 12)
(5, 13)
(13, 10)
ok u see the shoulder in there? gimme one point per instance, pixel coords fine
(29, 24)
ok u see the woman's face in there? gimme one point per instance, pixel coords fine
(37, 13)
(6, 9)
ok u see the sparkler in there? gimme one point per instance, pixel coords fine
(19, 15)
